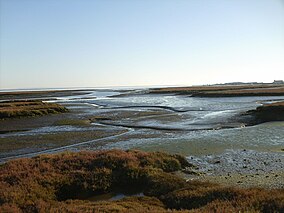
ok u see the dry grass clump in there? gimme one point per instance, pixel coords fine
(63, 182)
(130, 204)
(226, 199)
(50, 178)
(13, 109)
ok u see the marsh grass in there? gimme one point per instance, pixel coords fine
(267, 112)
(62, 183)
(73, 122)
(16, 109)
(224, 91)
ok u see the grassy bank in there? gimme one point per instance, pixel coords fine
(224, 91)
(63, 182)
(16, 109)
(13, 95)
(266, 113)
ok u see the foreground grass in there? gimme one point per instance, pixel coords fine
(14, 109)
(63, 182)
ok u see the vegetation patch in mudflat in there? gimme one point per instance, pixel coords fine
(73, 122)
(50, 94)
(267, 112)
(63, 183)
(15, 109)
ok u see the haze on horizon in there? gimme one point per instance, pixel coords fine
(84, 43)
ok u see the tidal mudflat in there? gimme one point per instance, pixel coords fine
(226, 137)
(232, 142)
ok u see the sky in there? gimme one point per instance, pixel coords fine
(103, 43)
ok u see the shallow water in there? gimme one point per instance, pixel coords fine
(114, 196)
(197, 117)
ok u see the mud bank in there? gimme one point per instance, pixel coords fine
(267, 113)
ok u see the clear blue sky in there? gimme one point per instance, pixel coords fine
(94, 43)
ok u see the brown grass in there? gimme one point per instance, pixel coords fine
(243, 92)
(14, 109)
(62, 182)
(221, 91)
(267, 112)
(46, 93)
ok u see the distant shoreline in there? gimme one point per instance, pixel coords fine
(224, 91)
(216, 90)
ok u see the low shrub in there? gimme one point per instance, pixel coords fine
(62, 183)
